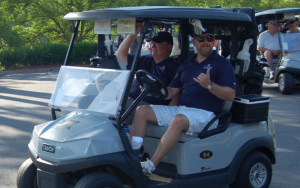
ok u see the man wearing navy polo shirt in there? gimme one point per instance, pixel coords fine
(159, 64)
(206, 81)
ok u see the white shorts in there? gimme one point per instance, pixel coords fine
(198, 118)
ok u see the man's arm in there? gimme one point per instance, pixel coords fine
(138, 38)
(172, 92)
(122, 52)
(222, 92)
(175, 100)
(260, 43)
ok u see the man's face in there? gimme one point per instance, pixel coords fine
(293, 28)
(204, 47)
(273, 29)
(160, 49)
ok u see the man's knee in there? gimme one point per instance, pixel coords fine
(142, 110)
(146, 113)
(179, 122)
(268, 53)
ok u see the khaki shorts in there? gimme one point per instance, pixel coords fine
(198, 118)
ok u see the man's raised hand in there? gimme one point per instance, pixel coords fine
(203, 79)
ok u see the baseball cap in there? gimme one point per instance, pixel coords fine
(163, 37)
(290, 22)
(208, 31)
(271, 22)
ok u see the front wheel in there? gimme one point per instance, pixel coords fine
(286, 83)
(99, 180)
(255, 172)
(26, 177)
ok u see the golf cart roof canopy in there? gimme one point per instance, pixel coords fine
(166, 12)
(279, 14)
(279, 11)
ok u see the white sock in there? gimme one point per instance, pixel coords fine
(136, 142)
(152, 165)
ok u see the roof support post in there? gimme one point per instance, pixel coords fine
(74, 30)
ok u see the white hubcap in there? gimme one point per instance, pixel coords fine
(258, 175)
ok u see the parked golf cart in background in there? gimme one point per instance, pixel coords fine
(287, 68)
(88, 147)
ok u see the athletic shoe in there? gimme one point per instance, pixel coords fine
(271, 76)
(148, 168)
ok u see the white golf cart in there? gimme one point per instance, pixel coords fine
(88, 148)
(287, 72)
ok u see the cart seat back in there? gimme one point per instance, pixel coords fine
(109, 62)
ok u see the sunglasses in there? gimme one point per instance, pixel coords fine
(209, 38)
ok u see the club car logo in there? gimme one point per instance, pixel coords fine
(48, 148)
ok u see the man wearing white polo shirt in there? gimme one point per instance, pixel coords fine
(268, 44)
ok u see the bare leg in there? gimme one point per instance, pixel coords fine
(269, 56)
(179, 122)
(143, 114)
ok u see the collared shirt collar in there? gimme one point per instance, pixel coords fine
(213, 55)
(165, 60)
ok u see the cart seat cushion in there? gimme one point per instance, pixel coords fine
(156, 131)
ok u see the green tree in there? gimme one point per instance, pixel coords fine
(258, 5)
(31, 22)
(39, 21)
(8, 36)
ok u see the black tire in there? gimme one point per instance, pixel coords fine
(255, 172)
(99, 180)
(26, 177)
(286, 83)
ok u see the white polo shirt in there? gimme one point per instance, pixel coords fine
(268, 41)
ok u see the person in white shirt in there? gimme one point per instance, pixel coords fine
(292, 37)
(268, 44)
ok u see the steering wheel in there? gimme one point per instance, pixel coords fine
(152, 84)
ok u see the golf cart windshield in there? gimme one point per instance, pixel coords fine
(89, 90)
(290, 42)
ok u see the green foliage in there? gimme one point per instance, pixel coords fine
(41, 21)
(258, 5)
(34, 32)
(46, 54)
(13, 55)
(8, 36)
(82, 51)
(32, 22)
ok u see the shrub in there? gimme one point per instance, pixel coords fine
(82, 52)
(46, 54)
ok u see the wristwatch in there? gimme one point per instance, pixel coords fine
(209, 86)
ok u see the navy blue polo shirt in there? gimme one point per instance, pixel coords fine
(193, 94)
(165, 70)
